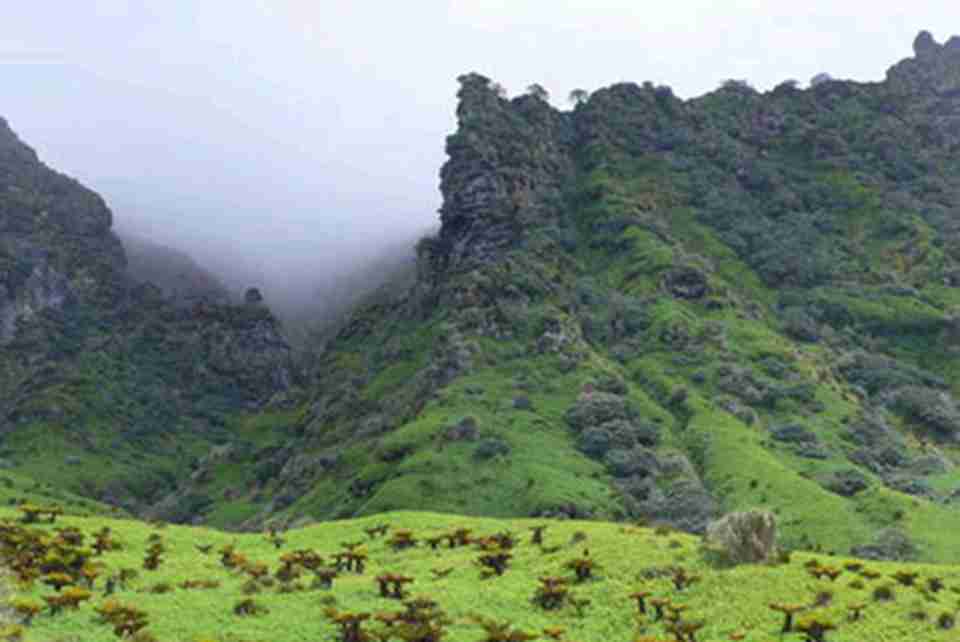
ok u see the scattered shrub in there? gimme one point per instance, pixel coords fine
(490, 448)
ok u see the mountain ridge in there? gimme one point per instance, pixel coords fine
(647, 308)
(685, 261)
(99, 371)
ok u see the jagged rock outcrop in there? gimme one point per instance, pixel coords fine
(102, 362)
(508, 162)
(181, 279)
(934, 69)
(58, 252)
(927, 87)
(55, 240)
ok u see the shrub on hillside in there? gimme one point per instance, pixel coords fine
(635, 461)
(799, 325)
(877, 373)
(890, 544)
(595, 442)
(935, 409)
(597, 408)
(490, 448)
(743, 537)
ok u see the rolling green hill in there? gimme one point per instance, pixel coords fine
(215, 586)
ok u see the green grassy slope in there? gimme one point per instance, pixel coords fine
(754, 281)
(629, 559)
(641, 309)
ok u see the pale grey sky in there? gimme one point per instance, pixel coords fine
(300, 131)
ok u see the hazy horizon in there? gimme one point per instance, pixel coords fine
(305, 137)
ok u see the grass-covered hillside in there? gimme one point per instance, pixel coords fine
(109, 386)
(461, 579)
(662, 309)
(642, 308)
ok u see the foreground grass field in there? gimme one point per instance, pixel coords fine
(732, 603)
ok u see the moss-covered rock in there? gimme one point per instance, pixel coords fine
(743, 537)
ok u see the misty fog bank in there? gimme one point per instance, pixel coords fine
(310, 265)
(292, 145)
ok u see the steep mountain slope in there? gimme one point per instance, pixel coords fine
(176, 273)
(315, 318)
(664, 309)
(106, 387)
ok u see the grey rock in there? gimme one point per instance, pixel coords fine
(924, 45)
(489, 188)
(743, 537)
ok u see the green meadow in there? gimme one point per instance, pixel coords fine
(718, 601)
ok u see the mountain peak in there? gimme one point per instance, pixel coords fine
(933, 71)
(924, 44)
(506, 165)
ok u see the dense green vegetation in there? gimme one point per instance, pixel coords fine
(651, 308)
(210, 585)
(640, 310)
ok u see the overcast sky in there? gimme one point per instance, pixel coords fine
(299, 132)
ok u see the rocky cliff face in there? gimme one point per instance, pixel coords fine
(509, 160)
(55, 240)
(182, 280)
(933, 72)
(101, 365)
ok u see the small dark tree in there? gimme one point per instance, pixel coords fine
(537, 91)
(579, 96)
(737, 84)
